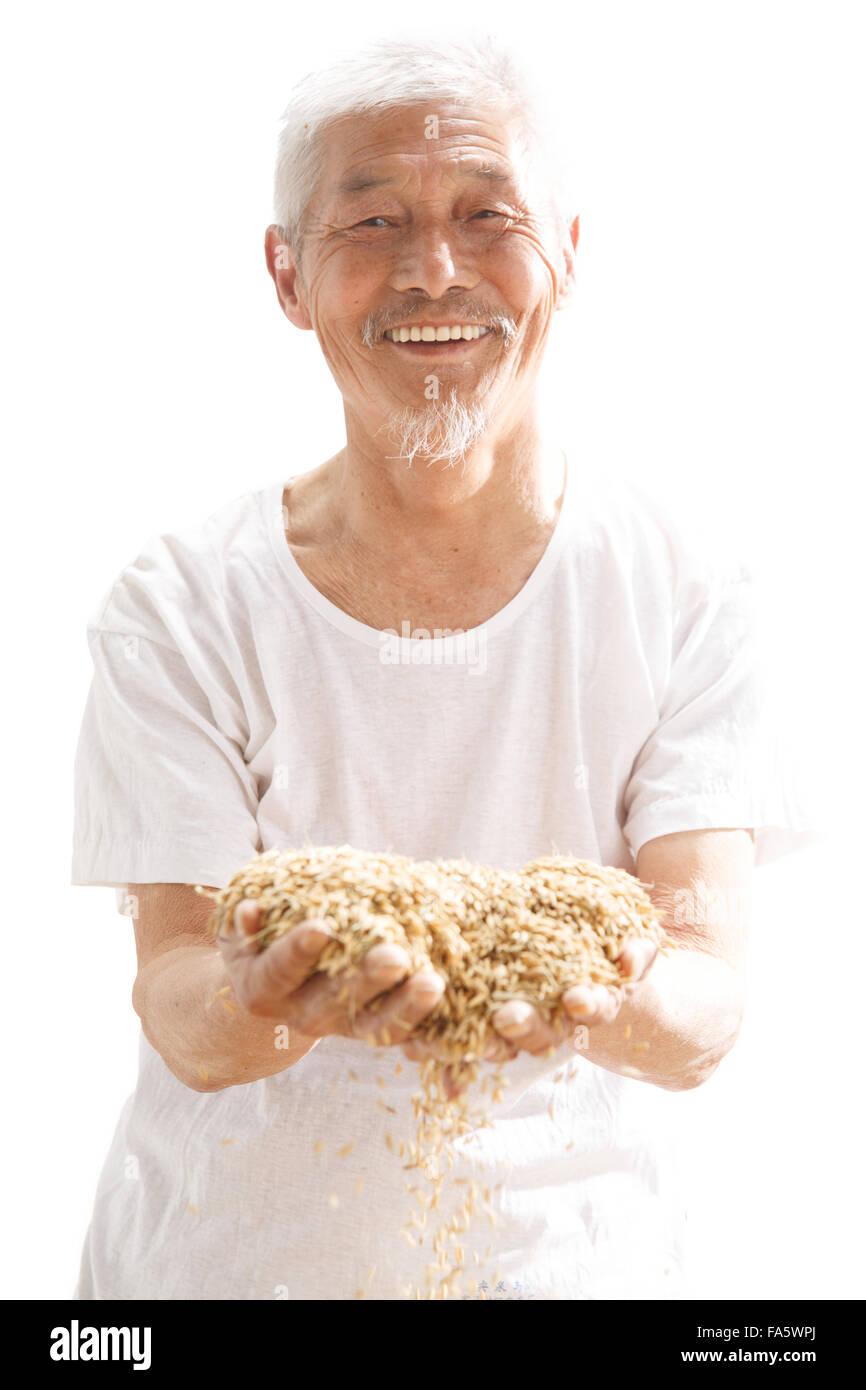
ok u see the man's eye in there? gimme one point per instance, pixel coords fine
(369, 221)
(489, 212)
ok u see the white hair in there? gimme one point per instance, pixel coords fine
(396, 72)
(441, 432)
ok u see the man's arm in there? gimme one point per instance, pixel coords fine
(183, 996)
(685, 1015)
(220, 1014)
(680, 1013)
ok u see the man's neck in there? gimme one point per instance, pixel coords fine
(378, 537)
(502, 492)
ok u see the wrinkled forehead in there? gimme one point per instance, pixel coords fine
(421, 145)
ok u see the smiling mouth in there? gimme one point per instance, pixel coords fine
(425, 334)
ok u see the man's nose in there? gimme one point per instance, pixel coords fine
(430, 264)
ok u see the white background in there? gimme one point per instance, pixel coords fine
(714, 350)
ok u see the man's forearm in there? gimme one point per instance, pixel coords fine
(678, 1025)
(189, 1015)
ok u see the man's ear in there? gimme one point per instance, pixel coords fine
(568, 257)
(283, 270)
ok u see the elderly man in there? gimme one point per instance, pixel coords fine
(448, 640)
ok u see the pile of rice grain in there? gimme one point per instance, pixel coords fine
(492, 935)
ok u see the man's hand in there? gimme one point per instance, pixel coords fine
(584, 1005)
(520, 1027)
(276, 983)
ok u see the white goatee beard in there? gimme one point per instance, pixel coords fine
(443, 431)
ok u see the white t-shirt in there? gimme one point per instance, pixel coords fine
(234, 708)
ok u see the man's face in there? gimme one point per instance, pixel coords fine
(430, 221)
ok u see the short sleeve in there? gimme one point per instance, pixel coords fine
(719, 757)
(162, 793)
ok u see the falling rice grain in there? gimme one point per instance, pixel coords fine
(490, 934)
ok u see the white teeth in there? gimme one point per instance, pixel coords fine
(427, 333)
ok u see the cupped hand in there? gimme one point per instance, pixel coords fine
(519, 1027)
(281, 982)
(584, 1006)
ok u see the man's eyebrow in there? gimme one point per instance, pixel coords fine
(357, 183)
(495, 173)
(361, 181)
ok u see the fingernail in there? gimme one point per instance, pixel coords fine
(314, 938)
(386, 957)
(519, 1022)
(428, 981)
(515, 1030)
(243, 918)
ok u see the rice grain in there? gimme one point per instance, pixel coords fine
(491, 935)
